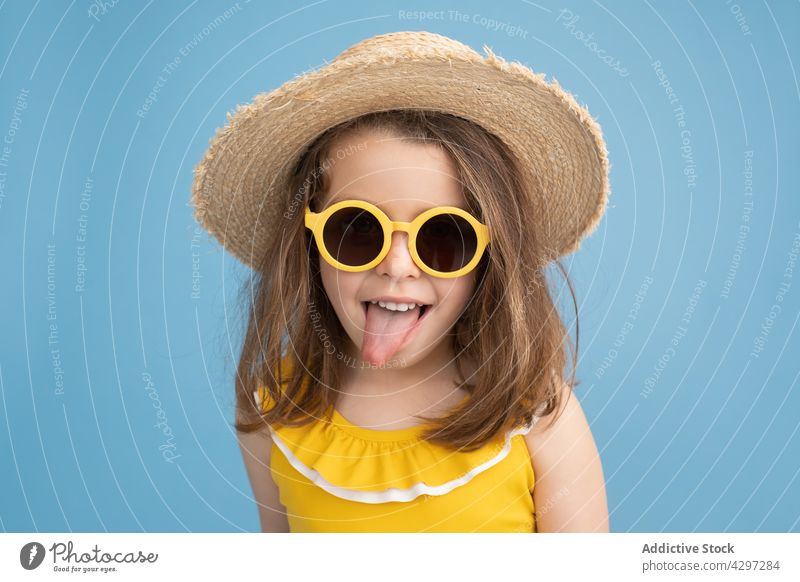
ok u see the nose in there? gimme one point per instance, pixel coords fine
(398, 263)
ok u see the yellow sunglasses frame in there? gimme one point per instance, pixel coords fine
(315, 221)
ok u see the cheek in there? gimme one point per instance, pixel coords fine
(454, 296)
(326, 273)
(341, 288)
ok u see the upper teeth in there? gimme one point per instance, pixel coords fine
(397, 306)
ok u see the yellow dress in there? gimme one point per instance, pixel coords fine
(334, 476)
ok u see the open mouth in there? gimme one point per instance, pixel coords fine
(386, 332)
(422, 309)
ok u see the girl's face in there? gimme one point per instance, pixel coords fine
(403, 179)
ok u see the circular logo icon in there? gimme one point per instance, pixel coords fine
(31, 555)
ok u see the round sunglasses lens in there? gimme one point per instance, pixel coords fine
(447, 242)
(353, 236)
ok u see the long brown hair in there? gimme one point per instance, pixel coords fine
(511, 327)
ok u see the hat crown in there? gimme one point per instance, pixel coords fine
(416, 43)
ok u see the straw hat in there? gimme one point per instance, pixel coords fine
(240, 192)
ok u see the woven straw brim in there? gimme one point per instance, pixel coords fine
(241, 187)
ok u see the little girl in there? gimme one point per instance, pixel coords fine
(403, 364)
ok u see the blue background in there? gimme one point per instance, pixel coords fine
(704, 441)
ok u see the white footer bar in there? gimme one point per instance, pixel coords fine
(406, 557)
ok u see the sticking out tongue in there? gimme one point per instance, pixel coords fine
(385, 332)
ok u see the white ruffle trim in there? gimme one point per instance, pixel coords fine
(393, 493)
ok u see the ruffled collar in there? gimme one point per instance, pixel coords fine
(377, 466)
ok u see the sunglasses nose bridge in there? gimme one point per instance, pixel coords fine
(402, 246)
(401, 226)
(397, 226)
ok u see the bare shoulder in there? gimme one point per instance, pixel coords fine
(569, 490)
(568, 416)
(256, 449)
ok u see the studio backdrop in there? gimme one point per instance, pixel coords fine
(121, 318)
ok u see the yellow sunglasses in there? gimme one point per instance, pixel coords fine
(354, 235)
